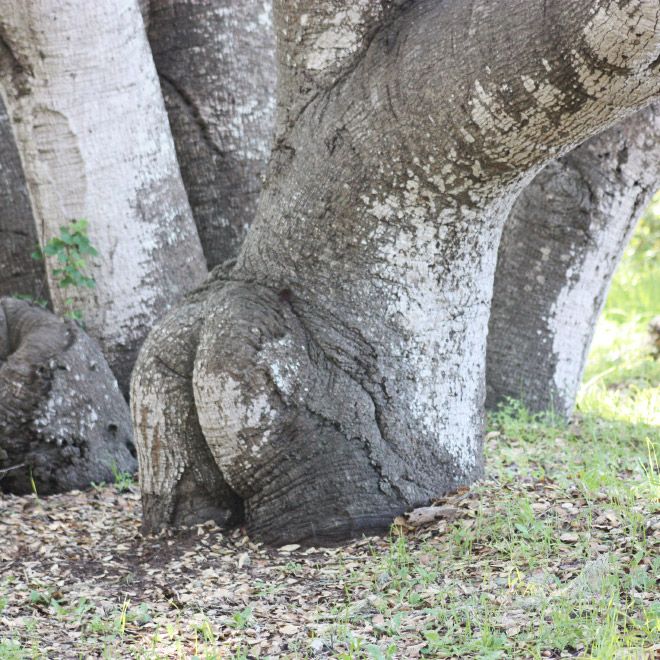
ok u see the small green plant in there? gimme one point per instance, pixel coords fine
(123, 618)
(36, 300)
(33, 485)
(241, 620)
(71, 250)
(123, 480)
(12, 650)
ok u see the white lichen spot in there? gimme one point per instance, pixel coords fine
(488, 112)
(467, 136)
(341, 36)
(528, 83)
(227, 413)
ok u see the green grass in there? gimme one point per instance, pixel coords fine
(634, 295)
(621, 381)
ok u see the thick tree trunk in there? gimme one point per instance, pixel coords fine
(91, 128)
(19, 273)
(339, 372)
(216, 63)
(54, 434)
(559, 250)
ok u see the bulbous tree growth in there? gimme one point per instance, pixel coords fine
(336, 372)
(63, 420)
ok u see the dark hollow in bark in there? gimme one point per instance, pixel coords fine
(559, 250)
(216, 63)
(19, 273)
(339, 367)
(63, 421)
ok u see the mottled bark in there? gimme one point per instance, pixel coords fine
(339, 372)
(559, 250)
(179, 480)
(216, 63)
(63, 420)
(91, 127)
(19, 273)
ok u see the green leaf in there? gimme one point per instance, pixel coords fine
(53, 247)
(66, 236)
(79, 226)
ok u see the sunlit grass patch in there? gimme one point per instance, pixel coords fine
(622, 378)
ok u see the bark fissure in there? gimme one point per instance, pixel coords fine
(352, 375)
(216, 63)
(195, 116)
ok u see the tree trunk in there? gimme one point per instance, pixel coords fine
(216, 63)
(339, 371)
(54, 434)
(91, 128)
(559, 250)
(19, 273)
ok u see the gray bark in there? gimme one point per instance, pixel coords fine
(216, 63)
(82, 92)
(19, 273)
(559, 249)
(339, 369)
(63, 420)
(182, 484)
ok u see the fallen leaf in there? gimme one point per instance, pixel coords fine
(428, 514)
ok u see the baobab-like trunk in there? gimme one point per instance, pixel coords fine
(339, 369)
(559, 250)
(216, 63)
(19, 273)
(85, 103)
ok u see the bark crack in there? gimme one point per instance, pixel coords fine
(378, 468)
(10, 60)
(170, 369)
(193, 112)
(392, 13)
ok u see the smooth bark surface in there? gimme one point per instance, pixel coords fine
(340, 367)
(559, 249)
(91, 128)
(216, 63)
(19, 273)
(63, 420)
